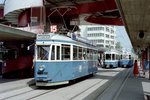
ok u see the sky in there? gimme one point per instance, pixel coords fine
(122, 37)
(1, 1)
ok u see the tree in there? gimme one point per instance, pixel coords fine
(118, 46)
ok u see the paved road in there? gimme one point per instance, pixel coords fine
(87, 89)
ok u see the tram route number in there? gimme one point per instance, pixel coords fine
(53, 28)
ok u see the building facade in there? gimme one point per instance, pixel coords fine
(103, 36)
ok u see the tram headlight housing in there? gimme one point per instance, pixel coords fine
(41, 68)
(141, 34)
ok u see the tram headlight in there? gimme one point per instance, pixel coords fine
(41, 68)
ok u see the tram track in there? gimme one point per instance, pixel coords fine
(69, 92)
(85, 90)
(15, 92)
(40, 94)
(113, 90)
(97, 88)
(25, 93)
(122, 84)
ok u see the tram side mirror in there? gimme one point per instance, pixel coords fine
(28, 47)
(141, 34)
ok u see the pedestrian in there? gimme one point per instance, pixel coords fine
(135, 70)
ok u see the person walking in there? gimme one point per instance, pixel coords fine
(135, 70)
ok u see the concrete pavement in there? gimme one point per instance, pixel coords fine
(91, 88)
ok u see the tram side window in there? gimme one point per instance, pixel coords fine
(75, 53)
(84, 53)
(121, 57)
(88, 54)
(3, 55)
(43, 52)
(124, 56)
(117, 57)
(53, 53)
(95, 55)
(80, 53)
(65, 52)
(58, 52)
(91, 54)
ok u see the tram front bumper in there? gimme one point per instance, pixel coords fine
(51, 83)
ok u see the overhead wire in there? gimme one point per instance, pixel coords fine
(61, 14)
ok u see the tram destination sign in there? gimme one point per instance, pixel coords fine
(43, 36)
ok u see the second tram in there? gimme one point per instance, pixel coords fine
(111, 59)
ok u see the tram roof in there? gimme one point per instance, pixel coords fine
(112, 51)
(9, 33)
(52, 36)
(61, 38)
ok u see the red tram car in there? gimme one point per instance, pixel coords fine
(21, 67)
(17, 63)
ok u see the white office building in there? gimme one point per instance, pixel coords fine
(102, 35)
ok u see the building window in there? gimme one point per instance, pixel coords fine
(107, 35)
(107, 42)
(95, 29)
(112, 31)
(112, 42)
(107, 46)
(100, 45)
(100, 41)
(112, 37)
(107, 29)
(101, 28)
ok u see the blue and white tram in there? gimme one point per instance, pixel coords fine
(60, 59)
(126, 60)
(111, 59)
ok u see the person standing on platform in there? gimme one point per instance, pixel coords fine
(135, 70)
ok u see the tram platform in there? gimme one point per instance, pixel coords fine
(131, 88)
(135, 89)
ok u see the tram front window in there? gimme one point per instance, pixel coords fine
(129, 56)
(108, 56)
(43, 52)
(113, 56)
